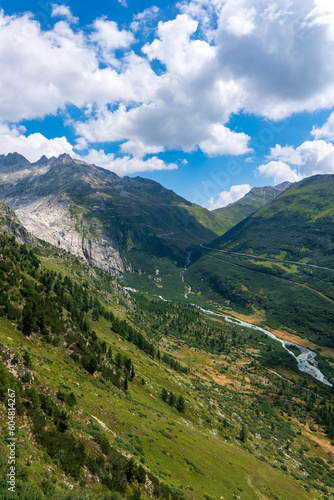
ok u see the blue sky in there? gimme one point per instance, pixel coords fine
(208, 97)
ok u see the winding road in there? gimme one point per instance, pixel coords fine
(267, 258)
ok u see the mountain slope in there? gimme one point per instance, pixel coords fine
(11, 225)
(278, 262)
(99, 216)
(298, 224)
(98, 383)
(257, 198)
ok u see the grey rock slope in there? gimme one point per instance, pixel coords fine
(11, 225)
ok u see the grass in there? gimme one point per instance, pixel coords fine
(193, 452)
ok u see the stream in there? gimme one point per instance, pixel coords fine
(306, 359)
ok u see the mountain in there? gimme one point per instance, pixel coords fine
(257, 198)
(11, 225)
(278, 263)
(99, 216)
(297, 225)
(121, 398)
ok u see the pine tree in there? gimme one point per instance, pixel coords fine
(180, 404)
(164, 395)
(243, 434)
(171, 398)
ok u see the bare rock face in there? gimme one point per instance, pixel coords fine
(39, 194)
(51, 219)
(10, 224)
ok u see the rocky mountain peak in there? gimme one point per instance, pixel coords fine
(65, 158)
(12, 159)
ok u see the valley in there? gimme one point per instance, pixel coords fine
(163, 359)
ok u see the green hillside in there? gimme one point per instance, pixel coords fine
(121, 397)
(257, 198)
(298, 225)
(278, 261)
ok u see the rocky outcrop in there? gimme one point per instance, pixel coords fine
(11, 225)
(51, 219)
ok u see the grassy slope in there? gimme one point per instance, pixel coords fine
(189, 453)
(252, 201)
(296, 226)
(299, 223)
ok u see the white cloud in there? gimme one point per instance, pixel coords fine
(144, 19)
(43, 71)
(226, 197)
(326, 131)
(222, 141)
(323, 16)
(126, 164)
(139, 149)
(279, 171)
(287, 154)
(271, 58)
(317, 157)
(109, 37)
(32, 146)
(281, 58)
(186, 108)
(63, 11)
(237, 20)
(310, 158)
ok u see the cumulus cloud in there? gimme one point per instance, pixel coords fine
(215, 59)
(279, 171)
(127, 164)
(226, 197)
(34, 146)
(238, 21)
(144, 19)
(286, 154)
(222, 141)
(326, 131)
(63, 11)
(109, 37)
(281, 58)
(289, 164)
(172, 117)
(43, 71)
(323, 16)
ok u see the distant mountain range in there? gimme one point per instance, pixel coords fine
(112, 222)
